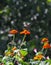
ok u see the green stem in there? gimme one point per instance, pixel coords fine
(13, 37)
(45, 52)
(42, 49)
(39, 62)
(24, 38)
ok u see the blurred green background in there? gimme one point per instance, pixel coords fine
(34, 15)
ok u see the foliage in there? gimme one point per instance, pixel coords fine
(24, 56)
(33, 15)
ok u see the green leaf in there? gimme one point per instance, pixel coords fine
(1, 11)
(39, 53)
(31, 45)
(38, 8)
(18, 58)
(24, 63)
(48, 61)
(9, 63)
(23, 52)
(48, 1)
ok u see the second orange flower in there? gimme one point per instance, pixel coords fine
(25, 32)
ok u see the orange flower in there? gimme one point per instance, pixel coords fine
(44, 40)
(38, 57)
(14, 48)
(13, 32)
(25, 32)
(46, 45)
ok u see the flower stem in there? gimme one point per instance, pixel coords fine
(45, 52)
(13, 37)
(42, 49)
(24, 38)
